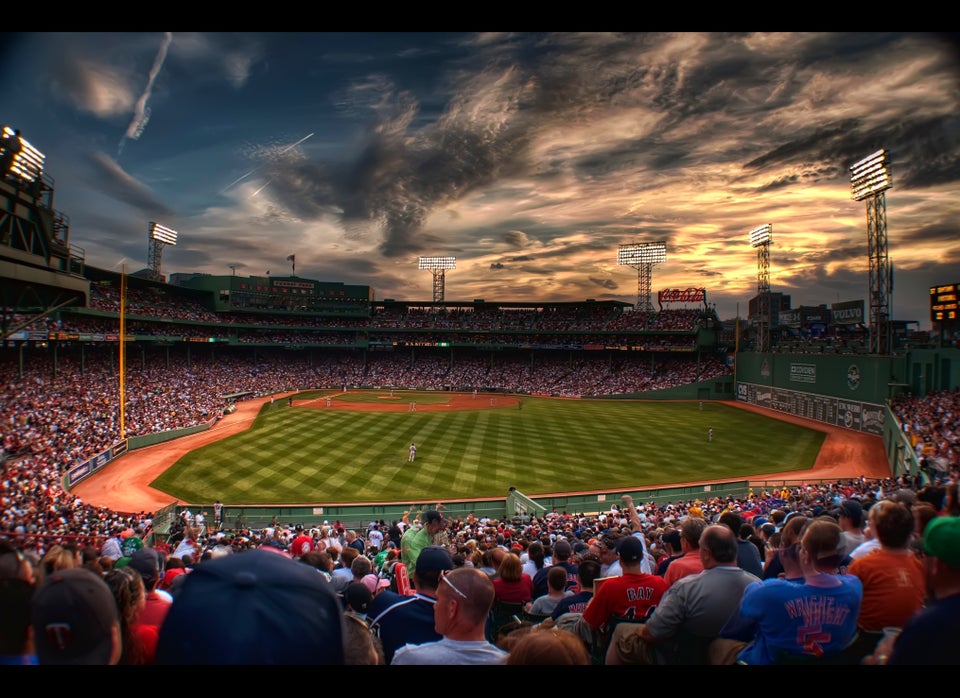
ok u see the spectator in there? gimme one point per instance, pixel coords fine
(399, 620)
(511, 583)
(464, 599)
(691, 530)
(785, 560)
(589, 571)
(16, 639)
(850, 518)
(562, 554)
(416, 539)
(75, 620)
(930, 636)
(14, 564)
(548, 647)
(139, 640)
(692, 610)
(556, 592)
(147, 562)
(633, 595)
(672, 550)
(894, 586)
(536, 559)
(748, 557)
(360, 646)
(777, 618)
(253, 608)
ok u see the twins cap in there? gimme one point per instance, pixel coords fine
(73, 613)
(253, 607)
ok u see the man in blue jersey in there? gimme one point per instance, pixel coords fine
(400, 620)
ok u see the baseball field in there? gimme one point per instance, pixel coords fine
(336, 447)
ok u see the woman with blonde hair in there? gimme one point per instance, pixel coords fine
(58, 558)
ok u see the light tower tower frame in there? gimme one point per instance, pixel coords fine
(869, 179)
(439, 266)
(642, 256)
(761, 238)
(158, 236)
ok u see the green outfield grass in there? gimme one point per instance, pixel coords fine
(304, 456)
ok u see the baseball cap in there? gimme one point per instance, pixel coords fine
(253, 607)
(73, 614)
(630, 549)
(358, 596)
(434, 558)
(373, 582)
(431, 516)
(146, 561)
(941, 539)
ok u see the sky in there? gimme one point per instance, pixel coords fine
(528, 157)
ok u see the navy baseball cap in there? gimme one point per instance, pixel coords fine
(253, 607)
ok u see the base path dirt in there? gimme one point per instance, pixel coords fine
(124, 484)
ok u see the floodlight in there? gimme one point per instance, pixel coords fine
(871, 175)
(27, 164)
(163, 234)
(438, 263)
(632, 254)
(439, 266)
(761, 235)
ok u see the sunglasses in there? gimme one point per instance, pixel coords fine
(444, 577)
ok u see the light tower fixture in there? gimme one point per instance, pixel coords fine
(439, 266)
(869, 179)
(642, 256)
(761, 238)
(158, 236)
(27, 163)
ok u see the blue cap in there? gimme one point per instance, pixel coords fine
(253, 607)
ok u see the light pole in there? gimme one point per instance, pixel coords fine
(869, 179)
(761, 238)
(158, 236)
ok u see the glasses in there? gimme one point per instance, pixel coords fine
(444, 577)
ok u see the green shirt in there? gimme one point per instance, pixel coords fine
(413, 541)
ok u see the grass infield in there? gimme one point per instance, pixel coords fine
(303, 455)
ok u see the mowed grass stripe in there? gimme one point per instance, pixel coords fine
(316, 456)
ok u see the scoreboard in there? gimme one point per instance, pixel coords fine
(944, 302)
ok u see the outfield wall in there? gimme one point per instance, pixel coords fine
(849, 391)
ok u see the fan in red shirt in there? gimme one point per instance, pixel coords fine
(632, 595)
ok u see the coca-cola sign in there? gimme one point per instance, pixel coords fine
(684, 295)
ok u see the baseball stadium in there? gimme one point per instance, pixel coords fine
(283, 400)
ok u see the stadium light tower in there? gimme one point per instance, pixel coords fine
(869, 179)
(439, 266)
(761, 238)
(642, 256)
(159, 235)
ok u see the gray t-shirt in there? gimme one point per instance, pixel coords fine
(447, 651)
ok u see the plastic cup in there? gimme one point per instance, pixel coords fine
(890, 634)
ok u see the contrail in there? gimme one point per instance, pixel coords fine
(141, 112)
(244, 176)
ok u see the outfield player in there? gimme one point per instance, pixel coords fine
(413, 452)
